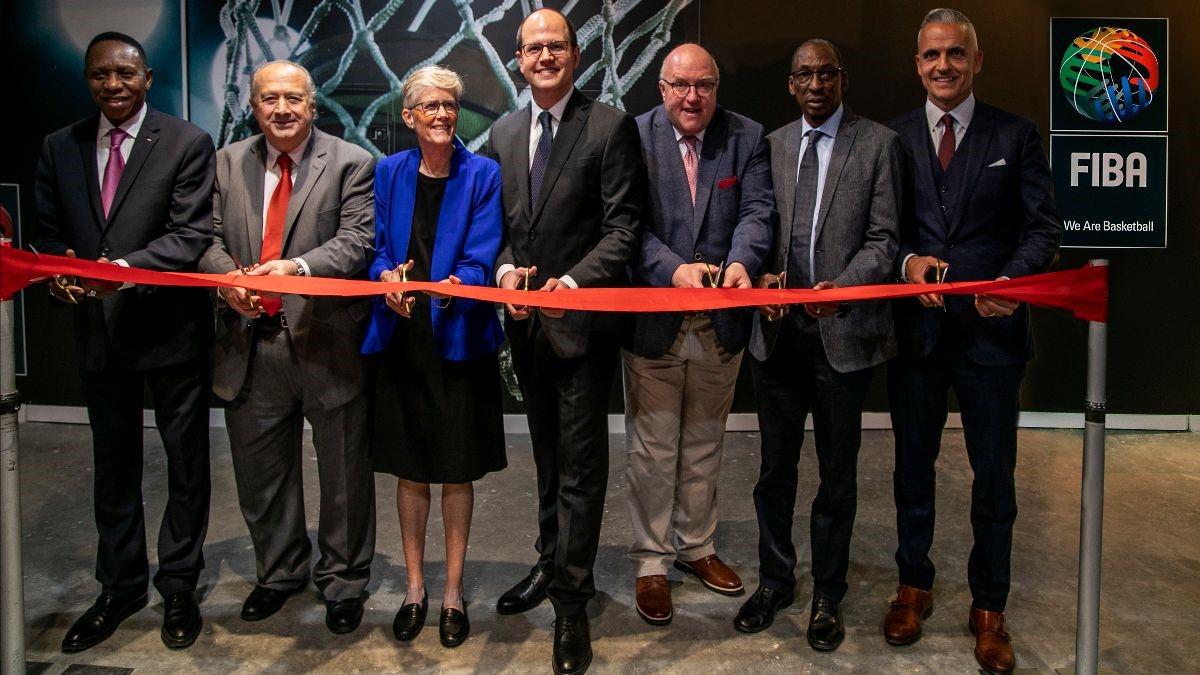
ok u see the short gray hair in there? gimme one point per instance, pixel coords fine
(431, 77)
(944, 15)
(310, 87)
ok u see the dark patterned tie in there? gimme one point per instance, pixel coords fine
(806, 202)
(541, 157)
(946, 146)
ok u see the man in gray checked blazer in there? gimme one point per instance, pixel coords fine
(839, 206)
(712, 214)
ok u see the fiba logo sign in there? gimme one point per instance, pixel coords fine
(1109, 74)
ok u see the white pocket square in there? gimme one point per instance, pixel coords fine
(999, 162)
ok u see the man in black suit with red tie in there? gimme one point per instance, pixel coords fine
(133, 186)
(574, 192)
(979, 205)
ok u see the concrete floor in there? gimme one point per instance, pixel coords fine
(1151, 565)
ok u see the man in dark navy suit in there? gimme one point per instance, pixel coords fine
(133, 186)
(979, 205)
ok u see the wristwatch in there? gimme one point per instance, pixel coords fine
(299, 267)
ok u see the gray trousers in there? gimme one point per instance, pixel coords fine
(266, 431)
(675, 412)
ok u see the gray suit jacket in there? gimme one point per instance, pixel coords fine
(330, 224)
(588, 214)
(855, 238)
(732, 220)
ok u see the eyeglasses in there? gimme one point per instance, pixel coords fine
(825, 75)
(703, 88)
(533, 50)
(430, 108)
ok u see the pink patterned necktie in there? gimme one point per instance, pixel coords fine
(691, 164)
(114, 168)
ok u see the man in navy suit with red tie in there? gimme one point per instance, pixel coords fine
(979, 205)
(133, 186)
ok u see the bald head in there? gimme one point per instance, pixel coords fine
(688, 53)
(688, 86)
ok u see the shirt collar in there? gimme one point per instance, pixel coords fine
(699, 135)
(297, 155)
(830, 126)
(556, 110)
(962, 113)
(132, 126)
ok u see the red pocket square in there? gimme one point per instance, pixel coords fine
(726, 182)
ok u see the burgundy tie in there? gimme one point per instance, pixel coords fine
(946, 146)
(113, 169)
(691, 164)
(272, 246)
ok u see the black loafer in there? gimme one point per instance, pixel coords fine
(263, 602)
(825, 631)
(410, 619)
(100, 620)
(343, 616)
(454, 627)
(181, 620)
(758, 612)
(572, 644)
(527, 594)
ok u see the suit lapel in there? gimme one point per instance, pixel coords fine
(711, 151)
(522, 158)
(922, 146)
(842, 147)
(574, 118)
(91, 176)
(791, 163)
(311, 168)
(973, 152)
(143, 145)
(670, 165)
(254, 168)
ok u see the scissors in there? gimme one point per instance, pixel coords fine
(244, 270)
(714, 281)
(780, 283)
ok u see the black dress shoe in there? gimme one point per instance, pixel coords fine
(454, 627)
(572, 644)
(825, 631)
(758, 612)
(263, 602)
(410, 619)
(527, 594)
(100, 620)
(343, 616)
(181, 620)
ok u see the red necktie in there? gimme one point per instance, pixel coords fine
(113, 169)
(946, 146)
(691, 164)
(272, 245)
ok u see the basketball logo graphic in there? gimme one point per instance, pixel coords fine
(1109, 74)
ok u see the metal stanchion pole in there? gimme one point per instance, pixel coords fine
(1091, 511)
(12, 596)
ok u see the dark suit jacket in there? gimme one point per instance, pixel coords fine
(469, 228)
(854, 239)
(159, 220)
(1003, 223)
(329, 225)
(591, 206)
(732, 219)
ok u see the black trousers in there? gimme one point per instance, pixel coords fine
(797, 379)
(114, 402)
(566, 400)
(989, 400)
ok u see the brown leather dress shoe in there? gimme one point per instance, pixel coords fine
(653, 599)
(902, 625)
(993, 647)
(714, 574)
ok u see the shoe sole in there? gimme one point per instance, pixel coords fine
(913, 639)
(578, 671)
(717, 589)
(767, 624)
(826, 648)
(186, 642)
(655, 621)
(129, 611)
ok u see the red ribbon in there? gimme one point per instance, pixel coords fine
(1083, 291)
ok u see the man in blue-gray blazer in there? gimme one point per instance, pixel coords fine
(712, 212)
(979, 205)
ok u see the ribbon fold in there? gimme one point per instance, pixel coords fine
(1082, 291)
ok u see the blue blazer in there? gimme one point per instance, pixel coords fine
(469, 229)
(1003, 222)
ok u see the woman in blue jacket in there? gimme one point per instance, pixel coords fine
(437, 218)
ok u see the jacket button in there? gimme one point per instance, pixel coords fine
(699, 257)
(532, 235)
(105, 252)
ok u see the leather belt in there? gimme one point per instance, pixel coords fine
(270, 324)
